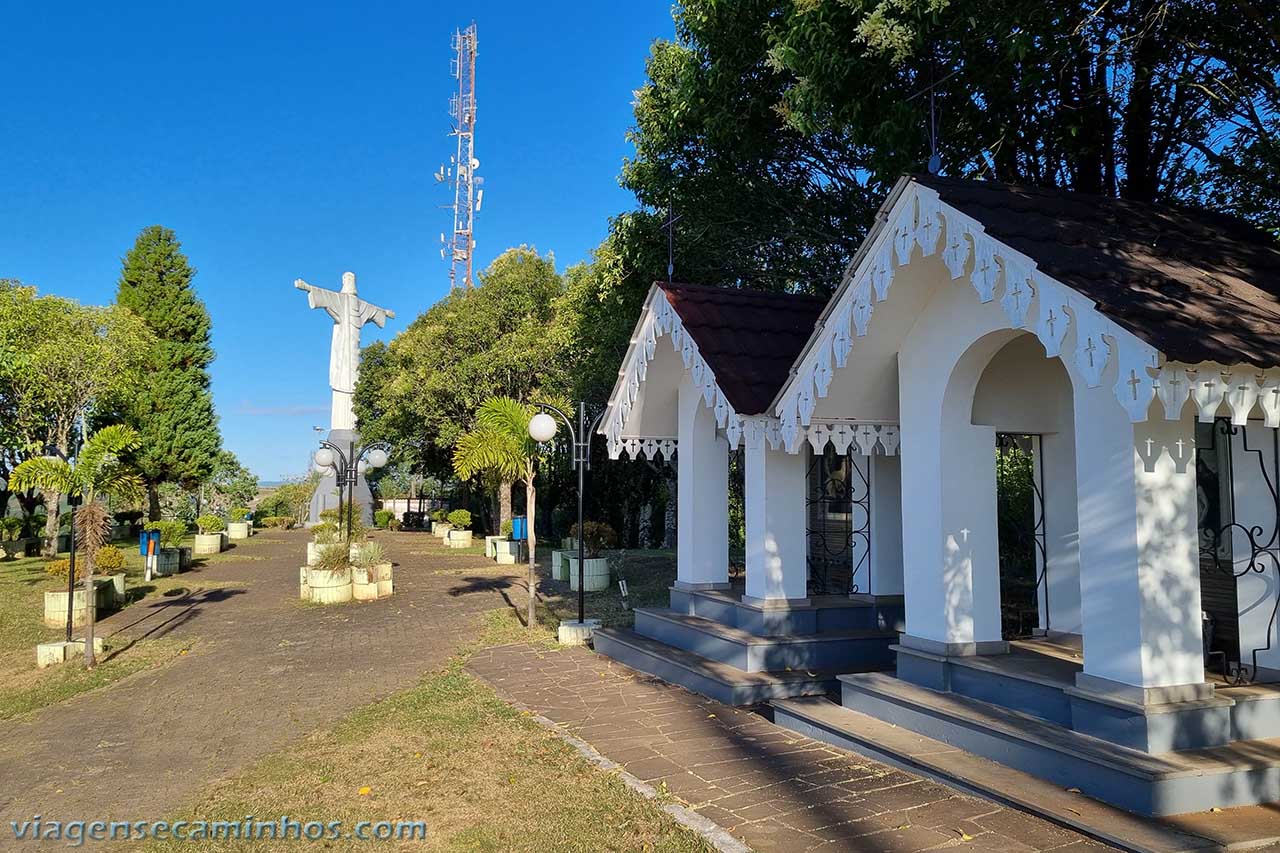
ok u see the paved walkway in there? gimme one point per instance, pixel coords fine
(772, 788)
(264, 671)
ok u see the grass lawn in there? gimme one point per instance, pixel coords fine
(451, 753)
(25, 688)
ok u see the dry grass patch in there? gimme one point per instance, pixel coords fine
(482, 775)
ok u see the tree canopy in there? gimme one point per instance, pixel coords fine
(173, 408)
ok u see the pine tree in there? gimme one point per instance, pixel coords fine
(173, 409)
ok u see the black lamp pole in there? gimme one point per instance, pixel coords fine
(581, 439)
(347, 471)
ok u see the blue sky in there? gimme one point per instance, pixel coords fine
(289, 139)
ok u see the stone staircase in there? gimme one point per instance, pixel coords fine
(713, 643)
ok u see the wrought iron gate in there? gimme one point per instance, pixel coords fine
(1021, 530)
(838, 509)
(1220, 532)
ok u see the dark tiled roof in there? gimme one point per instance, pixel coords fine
(1196, 285)
(748, 337)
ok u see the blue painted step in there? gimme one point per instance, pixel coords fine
(846, 651)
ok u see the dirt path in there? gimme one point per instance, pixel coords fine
(264, 671)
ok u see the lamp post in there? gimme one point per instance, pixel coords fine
(542, 428)
(348, 466)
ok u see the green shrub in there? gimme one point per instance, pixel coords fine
(383, 517)
(333, 558)
(10, 528)
(171, 532)
(439, 515)
(460, 519)
(369, 555)
(596, 537)
(211, 524)
(325, 533)
(109, 560)
(394, 524)
(505, 528)
(330, 515)
(283, 522)
(238, 514)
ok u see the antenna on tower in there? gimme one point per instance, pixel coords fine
(468, 192)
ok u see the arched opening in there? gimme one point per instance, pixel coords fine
(1025, 399)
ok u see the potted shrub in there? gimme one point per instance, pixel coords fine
(459, 529)
(439, 523)
(324, 533)
(238, 526)
(491, 542)
(55, 601)
(170, 560)
(370, 573)
(209, 539)
(597, 537)
(110, 564)
(328, 581)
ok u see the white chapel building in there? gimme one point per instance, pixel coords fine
(1013, 487)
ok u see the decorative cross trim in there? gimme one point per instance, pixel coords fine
(1030, 299)
(849, 437)
(1242, 392)
(656, 320)
(649, 448)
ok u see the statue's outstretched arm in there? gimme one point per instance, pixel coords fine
(301, 285)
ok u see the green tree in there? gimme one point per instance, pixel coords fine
(422, 391)
(231, 485)
(173, 411)
(499, 446)
(68, 360)
(98, 471)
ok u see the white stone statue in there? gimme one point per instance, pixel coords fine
(349, 313)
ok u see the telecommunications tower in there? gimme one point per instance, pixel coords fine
(468, 191)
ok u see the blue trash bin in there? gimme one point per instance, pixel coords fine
(519, 529)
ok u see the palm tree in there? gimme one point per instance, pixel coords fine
(500, 447)
(97, 471)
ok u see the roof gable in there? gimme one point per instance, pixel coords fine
(1197, 285)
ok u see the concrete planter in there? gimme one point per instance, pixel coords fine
(383, 571)
(329, 587)
(568, 543)
(595, 574)
(509, 552)
(560, 565)
(168, 561)
(491, 546)
(117, 584)
(459, 539)
(239, 530)
(441, 529)
(50, 654)
(313, 552)
(55, 603)
(364, 584)
(208, 543)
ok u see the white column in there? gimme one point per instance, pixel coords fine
(886, 524)
(702, 477)
(951, 549)
(777, 544)
(1139, 563)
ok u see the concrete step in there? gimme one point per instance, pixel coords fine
(1030, 683)
(825, 720)
(710, 678)
(1256, 714)
(1241, 773)
(830, 613)
(846, 651)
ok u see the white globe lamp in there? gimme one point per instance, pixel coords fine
(378, 457)
(542, 427)
(324, 457)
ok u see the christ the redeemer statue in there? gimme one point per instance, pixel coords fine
(349, 313)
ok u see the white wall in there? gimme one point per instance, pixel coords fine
(774, 486)
(886, 524)
(702, 505)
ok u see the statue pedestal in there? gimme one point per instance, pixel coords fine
(326, 494)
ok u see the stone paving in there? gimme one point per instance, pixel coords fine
(770, 787)
(263, 671)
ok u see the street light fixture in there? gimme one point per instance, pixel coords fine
(542, 428)
(349, 466)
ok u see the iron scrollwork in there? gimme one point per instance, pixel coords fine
(838, 510)
(1022, 538)
(1218, 544)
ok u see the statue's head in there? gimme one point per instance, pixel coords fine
(348, 282)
